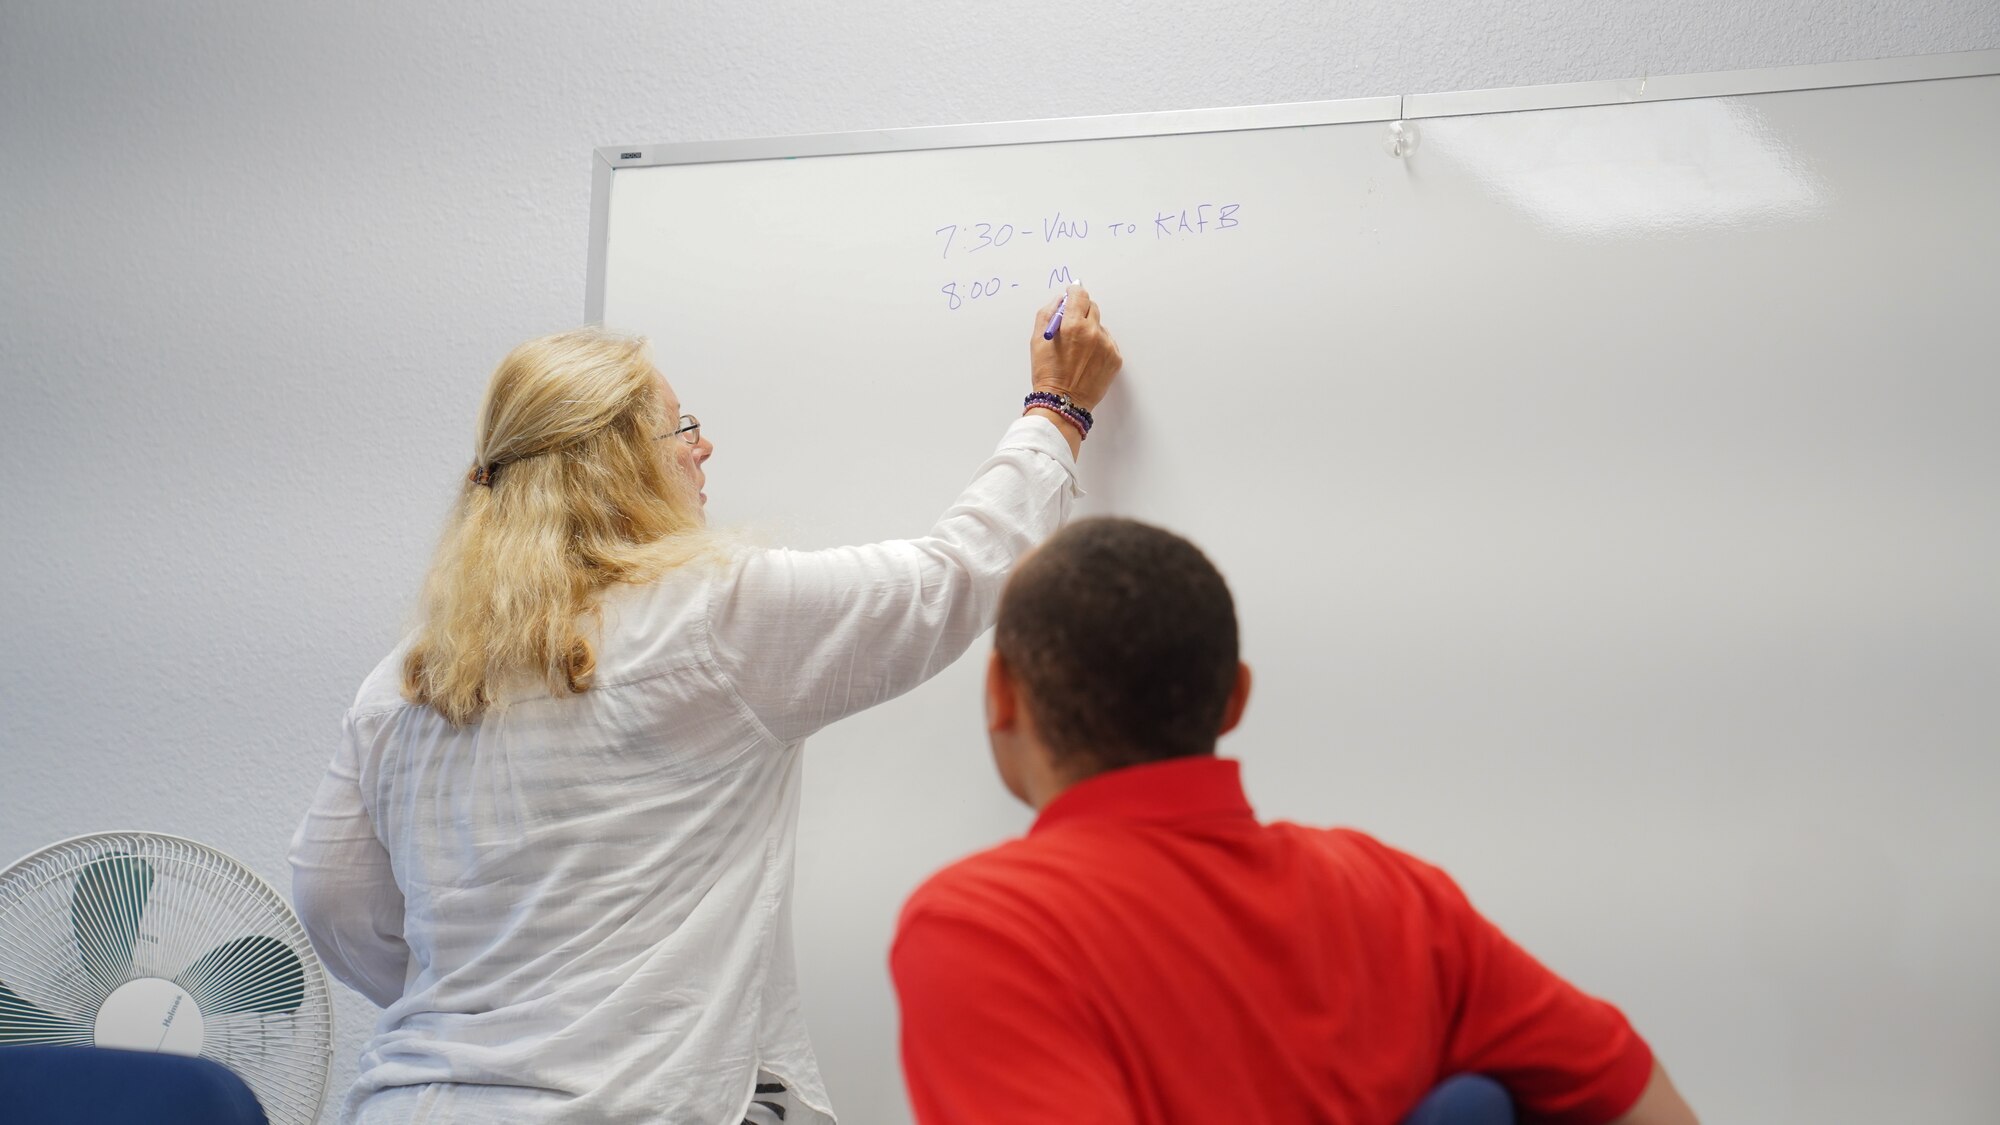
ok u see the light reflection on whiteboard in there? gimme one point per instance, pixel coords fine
(1596, 172)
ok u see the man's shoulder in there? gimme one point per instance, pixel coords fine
(1031, 881)
(1002, 871)
(1342, 843)
(1076, 859)
(1382, 873)
(1062, 855)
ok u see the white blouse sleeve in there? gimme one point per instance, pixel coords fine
(344, 889)
(810, 637)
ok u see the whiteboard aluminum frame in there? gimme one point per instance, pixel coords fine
(1569, 95)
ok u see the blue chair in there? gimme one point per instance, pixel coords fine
(44, 1085)
(1466, 1099)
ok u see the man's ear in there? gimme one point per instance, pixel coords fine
(1239, 698)
(1002, 704)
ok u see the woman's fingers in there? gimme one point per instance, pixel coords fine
(1047, 311)
(1080, 304)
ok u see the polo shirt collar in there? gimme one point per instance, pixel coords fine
(1177, 789)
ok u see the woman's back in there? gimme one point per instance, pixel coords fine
(581, 901)
(591, 882)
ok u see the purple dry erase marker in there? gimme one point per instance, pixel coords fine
(1055, 321)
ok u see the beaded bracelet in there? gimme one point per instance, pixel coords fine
(1062, 404)
(1082, 427)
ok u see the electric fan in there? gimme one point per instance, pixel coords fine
(147, 942)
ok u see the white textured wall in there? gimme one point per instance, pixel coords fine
(256, 261)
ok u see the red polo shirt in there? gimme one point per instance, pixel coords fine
(1150, 952)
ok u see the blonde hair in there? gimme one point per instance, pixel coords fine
(569, 494)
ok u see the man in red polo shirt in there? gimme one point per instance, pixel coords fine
(1150, 952)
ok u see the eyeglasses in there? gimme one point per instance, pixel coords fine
(689, 432)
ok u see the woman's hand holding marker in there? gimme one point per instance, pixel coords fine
(1073, 360)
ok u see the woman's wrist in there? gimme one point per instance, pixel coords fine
(1044, 386)
(1064, 424)
(1062, 406)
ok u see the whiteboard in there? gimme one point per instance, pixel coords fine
(1606, 475)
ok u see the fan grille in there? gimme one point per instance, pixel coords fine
(83, 917)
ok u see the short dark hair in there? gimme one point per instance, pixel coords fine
(1123, 636)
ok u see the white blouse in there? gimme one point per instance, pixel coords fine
(579, 907)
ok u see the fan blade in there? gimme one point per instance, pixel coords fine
(250, 974)
(22, 1022)
(104, 912)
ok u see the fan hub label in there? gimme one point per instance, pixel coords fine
(150, 1014)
